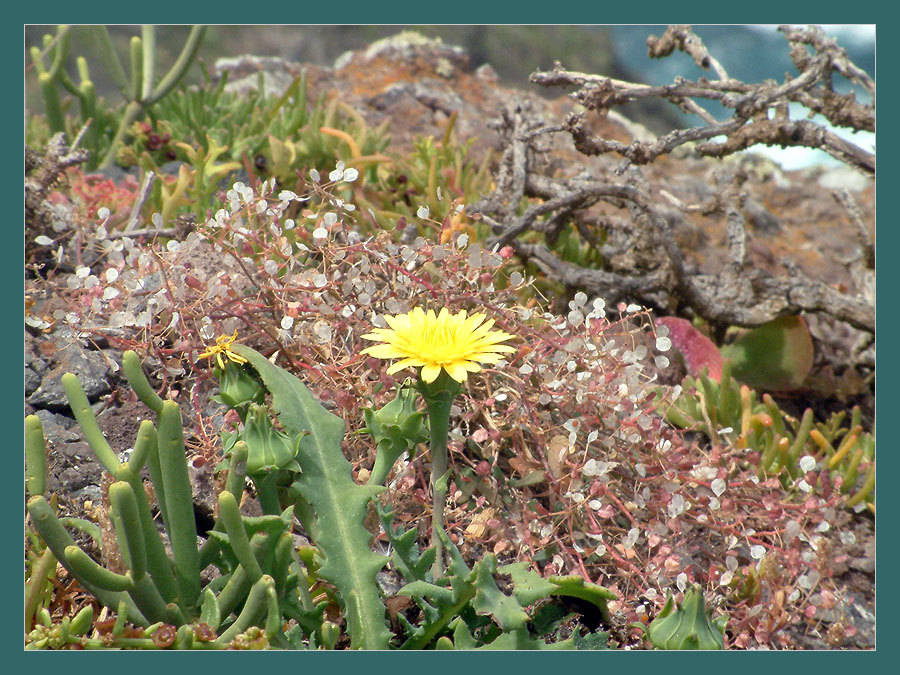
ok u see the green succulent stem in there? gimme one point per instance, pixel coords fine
(179, 503)
(131, 536)
(136, 50)
(234, 526)
(48, 79)
(146, 596)
(253, 609)
(45, 565)
(81, 409)
(134, 373)
(181, 65)
(61, 50)
(132, 111)
(108, 54)
(35, 456)
(234, 483)
(57, 539)
(148, 60)
(82, 564)
(806, 423)
(236, 589)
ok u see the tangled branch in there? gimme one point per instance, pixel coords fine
(752, 103)
(658, 275)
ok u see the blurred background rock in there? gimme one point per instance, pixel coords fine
(749, 52)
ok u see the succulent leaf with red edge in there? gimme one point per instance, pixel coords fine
(697, 350)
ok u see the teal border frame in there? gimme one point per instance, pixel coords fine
(463, 12)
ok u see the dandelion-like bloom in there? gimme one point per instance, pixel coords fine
(222, 346)
(456, 343)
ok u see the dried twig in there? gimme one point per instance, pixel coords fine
(681, 37)
(845, 199)
(42, 172)
(750, 123)
(139, 202)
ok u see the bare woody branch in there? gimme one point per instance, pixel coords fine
(760, 110)
(738, 295)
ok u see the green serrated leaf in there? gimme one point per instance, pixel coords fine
(339, 505)
(412, 564)
(577, 587)
(528, 585)
(593, 641)
(489, 600)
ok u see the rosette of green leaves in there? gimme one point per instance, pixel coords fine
(397, 428)
(688, 625)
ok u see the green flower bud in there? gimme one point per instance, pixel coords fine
(267, 448)
(330, 634)
(238, 385)
(688, 626)
(397, 428)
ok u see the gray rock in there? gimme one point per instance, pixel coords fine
(73, 468)
(170, 168)
(32, 381)
(486, 73)
(409, 45)
(35, 366)
(244, 74)
(58, 429)
(89, 366)
(866, 565)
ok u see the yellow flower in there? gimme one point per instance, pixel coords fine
(222, 346)
(456, 343)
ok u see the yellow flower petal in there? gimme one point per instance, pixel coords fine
(405, 363)
(430, 372)
(457, 343)
(485, 357)
(459, 372)
(384, 351)
(222, 348)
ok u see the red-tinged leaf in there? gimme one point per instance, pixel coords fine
(776, 356)
(698, 351)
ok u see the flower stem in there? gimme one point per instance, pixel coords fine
(439, 396)
(266, 486)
